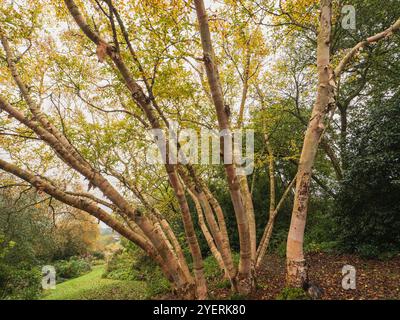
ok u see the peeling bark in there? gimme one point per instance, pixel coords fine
(296, 271)
(245, 276)
(325, 102)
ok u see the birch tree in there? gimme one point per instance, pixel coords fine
(324, 105)
(76, 106)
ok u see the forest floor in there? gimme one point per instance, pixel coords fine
(375, 279)
(92, 286)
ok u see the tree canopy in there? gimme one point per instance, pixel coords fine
(82, 82)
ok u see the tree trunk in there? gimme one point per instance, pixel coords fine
(207, 234)
(198, 266)
(217, 236)
(263, 246)
(296, 267)
(244, 186)
(214, 204)
(248, 205)
(245, 276)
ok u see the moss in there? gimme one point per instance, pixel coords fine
(223, 284)
(237, 296)
(292, 294)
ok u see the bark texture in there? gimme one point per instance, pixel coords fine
(325, 102)
(296, 268)
(245, 278)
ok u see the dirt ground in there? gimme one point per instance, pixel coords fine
(375, 279)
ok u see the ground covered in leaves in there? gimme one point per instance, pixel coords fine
(375, 279)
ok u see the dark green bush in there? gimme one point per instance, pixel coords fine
(72, 268)
(19, 284)
(368, 200)
(98, 255)
(223, 284)
(237, 296)
(368, 251)
(148, 271)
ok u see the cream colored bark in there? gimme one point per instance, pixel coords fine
(162, 226)
(178, 249)
(249, 208)
(198, 266)
(245, 88)
(296, 267)
(244, 186)
(325, 102)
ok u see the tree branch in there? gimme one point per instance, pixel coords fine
(352, 53)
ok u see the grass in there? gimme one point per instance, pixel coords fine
(92, 286)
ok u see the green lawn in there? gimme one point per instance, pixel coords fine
(92, 286)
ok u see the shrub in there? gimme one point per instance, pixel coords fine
(72, 268)
(326, 246)
(98, 255)
(121, 290)
(120, 266)
(368, 203)
(18, 284)
(148, 270)
(237, 296)
(122, 274)
(97, 262)
(132, 264)
(367, 251)
(212, 270)
(156, 283)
